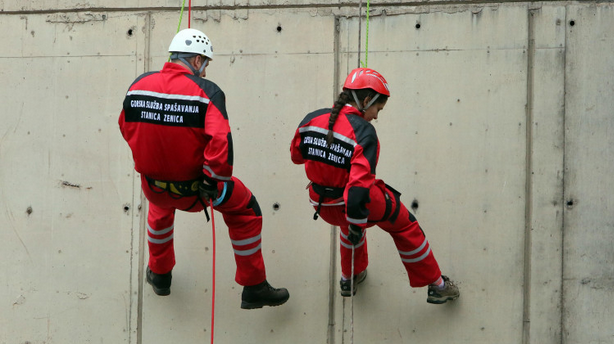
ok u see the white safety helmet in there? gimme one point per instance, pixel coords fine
(191, 41)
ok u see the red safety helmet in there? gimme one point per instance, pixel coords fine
(361, 78)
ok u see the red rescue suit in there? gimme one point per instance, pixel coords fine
(177, 128)
(344, 190)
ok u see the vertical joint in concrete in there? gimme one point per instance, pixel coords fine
(526, 312)
(333, 232)
(564, 183)
(143, 213)
(332, 286)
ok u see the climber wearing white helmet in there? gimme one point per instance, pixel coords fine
(176, 125)
(193, 49)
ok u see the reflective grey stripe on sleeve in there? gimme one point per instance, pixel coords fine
(357, 221)
(248, 252)
(160, 241)
(415, 260)
(215, 176)
(160, 232)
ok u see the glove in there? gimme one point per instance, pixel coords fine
(208, 190)
(355, 234)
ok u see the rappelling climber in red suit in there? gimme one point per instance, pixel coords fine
(176, 125)
(340, 149)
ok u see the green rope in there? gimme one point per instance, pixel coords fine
(178, 26)
(364, 65)
(181, 15)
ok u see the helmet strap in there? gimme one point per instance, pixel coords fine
(202, 67)
(372, 101)
(360, 108)
(357, 102)
(182, 57)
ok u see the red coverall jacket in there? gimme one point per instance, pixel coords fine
(195, 111)
(349, 163)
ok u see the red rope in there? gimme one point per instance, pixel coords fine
(189, 13)
(213, 274)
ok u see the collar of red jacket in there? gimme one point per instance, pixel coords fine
(175, 68)
(350, 110)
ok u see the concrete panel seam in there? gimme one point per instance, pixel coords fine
(564, 177)
(340, 6)
(143, 222)
(526, 299)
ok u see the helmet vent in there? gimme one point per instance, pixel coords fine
(188, 42)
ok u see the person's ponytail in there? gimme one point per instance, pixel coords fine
(343, 99)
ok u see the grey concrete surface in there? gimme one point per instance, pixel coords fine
(498, 134)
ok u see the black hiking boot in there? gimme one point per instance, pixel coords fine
(161, 283)
(263, 294)
(346, 284)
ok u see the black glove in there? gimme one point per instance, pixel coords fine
(208, 190)
(355, 234)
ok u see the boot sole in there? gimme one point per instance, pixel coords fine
(256, 305)
(442, 301)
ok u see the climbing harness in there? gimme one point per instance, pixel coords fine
(179, 189)
(324, 191)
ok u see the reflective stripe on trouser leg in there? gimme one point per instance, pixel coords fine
(160, 232)
(243, 217)
(361, 256)
(414, 249)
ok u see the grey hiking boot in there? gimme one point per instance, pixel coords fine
(448, 293)
(161, 283)
(346, 284)
(263, 294)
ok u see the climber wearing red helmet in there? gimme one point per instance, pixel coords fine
(340, 149)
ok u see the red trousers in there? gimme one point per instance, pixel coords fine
(241, 214)
(416, 255)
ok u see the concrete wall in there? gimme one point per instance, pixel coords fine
(499, 131)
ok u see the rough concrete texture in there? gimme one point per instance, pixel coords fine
(498, 134)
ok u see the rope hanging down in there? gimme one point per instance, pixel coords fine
(212, 273)
(189, 13)
(210, 203)
(363, 65)
(181, 17)
(352, 298)
(360, 63)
